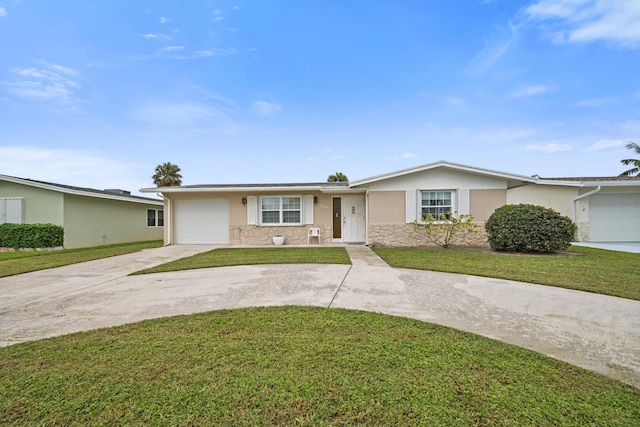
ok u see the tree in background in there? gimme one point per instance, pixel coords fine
(635, 170)
(338, 177)
(167, 175)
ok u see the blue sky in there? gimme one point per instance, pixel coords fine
(97, 93)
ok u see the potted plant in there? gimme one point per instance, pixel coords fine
(278, 240)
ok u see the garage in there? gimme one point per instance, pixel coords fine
(202, 221)
(614, 217)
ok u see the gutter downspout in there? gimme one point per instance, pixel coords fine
(582, 196)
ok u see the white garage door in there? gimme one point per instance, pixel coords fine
(202, 221)
(614, 217)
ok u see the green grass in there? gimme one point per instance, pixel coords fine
(23, 262)
(225, 257)
(298, 366)
(585, 269)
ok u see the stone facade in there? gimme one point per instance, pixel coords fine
(261, 235)
(394, 235)
(406, 235)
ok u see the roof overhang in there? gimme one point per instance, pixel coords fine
(254, 188)
(78, 191)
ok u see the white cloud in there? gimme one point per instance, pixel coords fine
(493, 50)
(149, 36)
(171, 48)
(81, 168)
(548, 148)
(592, 102)
(583, 21)
(176, 114)
(455, 102)
(204, 53)
(52, 83)
(529, 90)
(265, 108)
(3, 11)
(164, 20)
(407, 155)
(606, 143)
(97, 64)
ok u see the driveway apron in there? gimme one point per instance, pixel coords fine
(593, 331)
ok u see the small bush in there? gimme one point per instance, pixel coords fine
(529, 228)
(447, 230)
(31, 236)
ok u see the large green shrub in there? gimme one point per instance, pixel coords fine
(529, 228)
(31, 236)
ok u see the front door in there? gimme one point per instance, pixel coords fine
(353, 219)
(337, 218)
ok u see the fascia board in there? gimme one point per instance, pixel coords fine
(611, 183)
(169, 190)
(560, 183)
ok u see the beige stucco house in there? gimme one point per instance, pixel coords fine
(90, 217)
(381, 210)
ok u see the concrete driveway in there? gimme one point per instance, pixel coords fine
(596, 332)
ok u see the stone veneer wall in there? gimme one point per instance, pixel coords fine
(261, 235)
(404, 235)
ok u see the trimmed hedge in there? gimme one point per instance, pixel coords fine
(18, 236)
(529, 228)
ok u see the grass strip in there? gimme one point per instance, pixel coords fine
(12, 263)
(224, 257)
(586, 269)
(298, 366)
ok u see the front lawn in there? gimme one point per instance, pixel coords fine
(585, 269)
(298, 366)
(23, 262)
(225, 257)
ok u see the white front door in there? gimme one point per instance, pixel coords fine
(353, 219)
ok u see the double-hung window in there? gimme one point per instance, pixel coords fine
(277, 210)
(435, 203)
(155, 218)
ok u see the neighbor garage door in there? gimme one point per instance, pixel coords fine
(614, 217)
(202, 221)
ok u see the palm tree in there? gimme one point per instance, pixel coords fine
(338, 177)
(167, 175)
(635, 170)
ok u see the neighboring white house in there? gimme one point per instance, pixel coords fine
(381, 209)
(90, 217)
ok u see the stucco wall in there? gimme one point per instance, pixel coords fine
(557, 198)
(439, 178)
(92, 221)
(41, 206)
(482, 203)
(387, 207)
